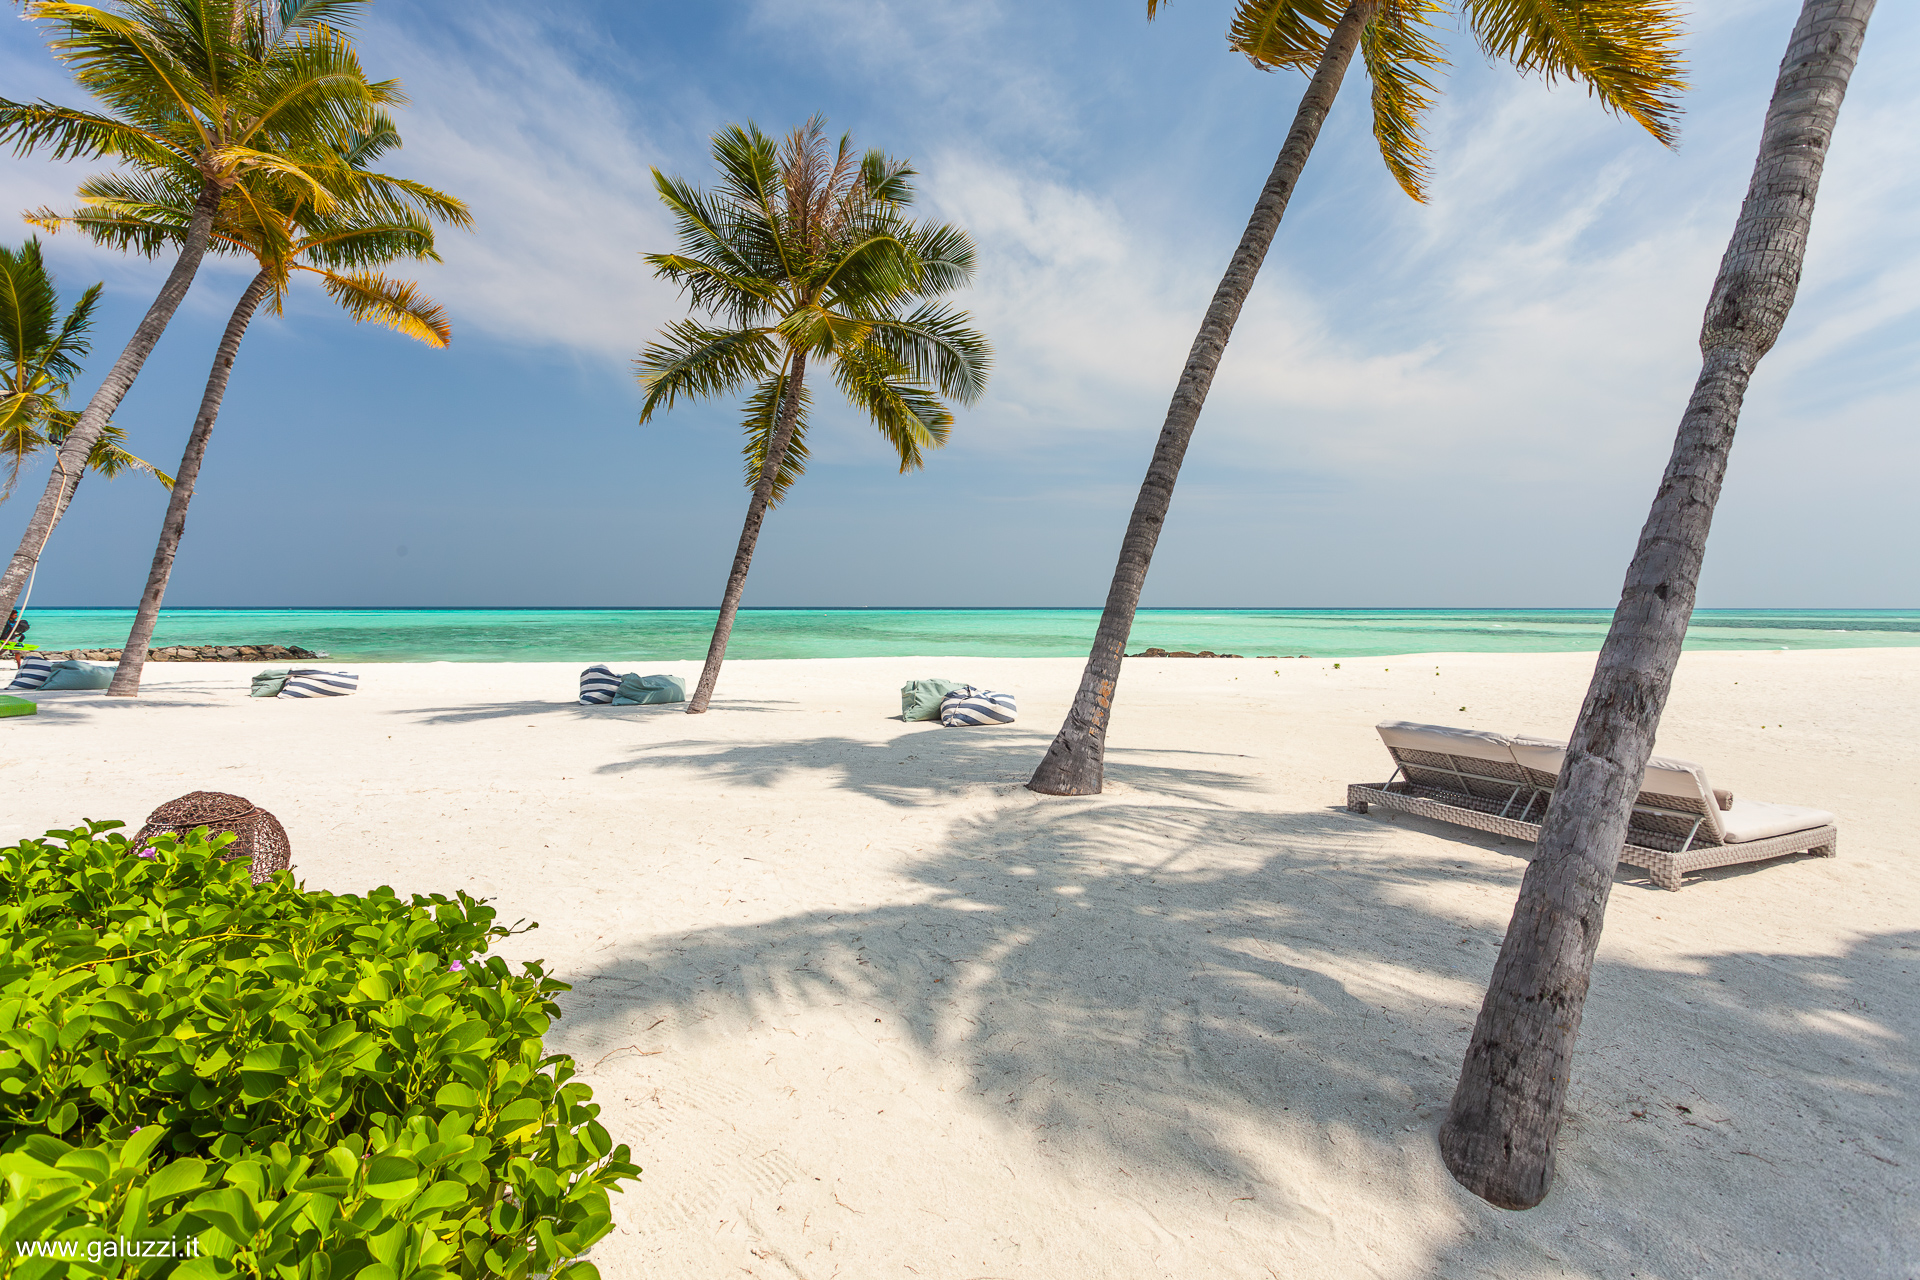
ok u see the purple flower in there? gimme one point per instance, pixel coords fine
(455, 967)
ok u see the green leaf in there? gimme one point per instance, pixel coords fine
(175, 1179)
(392, 1178)
(456, 1096)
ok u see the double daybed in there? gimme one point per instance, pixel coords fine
(1492, 782)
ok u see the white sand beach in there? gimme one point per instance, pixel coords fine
(863, 1006)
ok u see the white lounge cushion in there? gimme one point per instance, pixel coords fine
(1758, 820)
(1665, 776)
(1543, 754)
(1441, 740)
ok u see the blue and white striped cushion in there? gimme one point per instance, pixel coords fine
(598, 684)
(34, 672)
(306, 682)
(970, 706)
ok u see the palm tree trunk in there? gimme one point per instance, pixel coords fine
(1075, 765)
(783, 425)
(71, 461)
(1498, 1138)
(133, 657)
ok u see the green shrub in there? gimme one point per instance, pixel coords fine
(309, 1085)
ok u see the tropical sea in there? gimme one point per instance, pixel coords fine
(608, 635)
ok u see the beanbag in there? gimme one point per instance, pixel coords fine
(73, 674)
(15, 707)
(970, 706)
(269, 683)
(598, 685)
(640, 691)
(33, 673)
(920, 699)
(306, 682)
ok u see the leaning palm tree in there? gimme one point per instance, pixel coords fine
(1501, 1128)
(369, 219)
(1622, 50)
(804, 254)
(221, 88)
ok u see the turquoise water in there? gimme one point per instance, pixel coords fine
(607, 635)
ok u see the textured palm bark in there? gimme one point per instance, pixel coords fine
(71, 461)
(133, 656)
(1499, 1135)
(1075, 765)
(750, 533)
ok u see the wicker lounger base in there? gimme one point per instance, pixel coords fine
(1665, 868)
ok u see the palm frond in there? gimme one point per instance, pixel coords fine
(23, 417)
(1624, 51)
(934, 344)
(28, 304)
(694, 361)
(761, 408)
(64, 133)
(1399, 52)
(398, 304)
(1280, 33)
(909, 415)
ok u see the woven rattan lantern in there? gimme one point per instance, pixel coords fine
(259, 837)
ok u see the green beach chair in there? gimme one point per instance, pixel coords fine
(11, 706)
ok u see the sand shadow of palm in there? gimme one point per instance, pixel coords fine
(917, 765)
(469, 713)
(1145, 985)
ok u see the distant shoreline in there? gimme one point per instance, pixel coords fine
(639, 635)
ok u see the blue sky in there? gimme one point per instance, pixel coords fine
(1466, 402)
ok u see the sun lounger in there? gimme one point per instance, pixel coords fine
(1492, 782)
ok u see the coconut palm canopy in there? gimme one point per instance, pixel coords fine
(214, 86)
(1624, 52)
(803, 249)
(335, 221)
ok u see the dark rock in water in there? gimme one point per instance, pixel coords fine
(1180, 653)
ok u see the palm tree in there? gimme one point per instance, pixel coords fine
(803, 255)
(1621, 49)
(369, 219)
(38, 361)
(1500, 1130)
(220, 88)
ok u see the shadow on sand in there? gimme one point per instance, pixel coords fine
(1143, 979)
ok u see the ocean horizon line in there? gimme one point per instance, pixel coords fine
(948, 608)
(633, 633)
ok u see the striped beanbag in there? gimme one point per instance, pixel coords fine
(34, 672)
(970, 706)
(598, 684)
(306, 682)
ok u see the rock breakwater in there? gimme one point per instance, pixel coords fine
(197, 653)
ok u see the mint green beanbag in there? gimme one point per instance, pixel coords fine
(920, 699)
(73, 674)
(269, 683)
(15, 707)
(640, 691)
